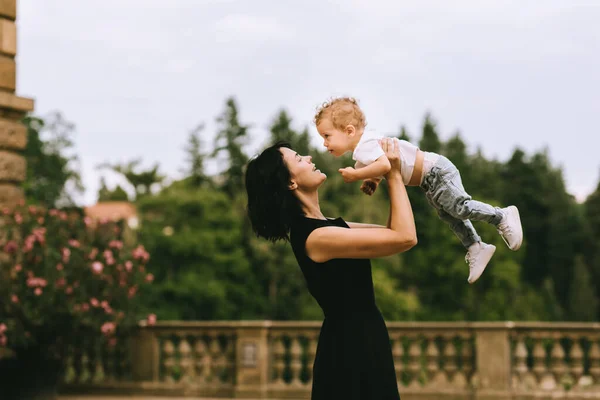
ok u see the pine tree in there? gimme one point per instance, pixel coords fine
(230, 139)
(430, 140)
(195, 158)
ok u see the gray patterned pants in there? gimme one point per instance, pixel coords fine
(445, 192)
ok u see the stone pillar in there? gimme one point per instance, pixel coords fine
(252, 360)
(493, 359)
(13, 135)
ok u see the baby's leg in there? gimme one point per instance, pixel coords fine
(452, 198)
(463, 229)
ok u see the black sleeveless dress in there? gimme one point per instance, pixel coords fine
(354, 357)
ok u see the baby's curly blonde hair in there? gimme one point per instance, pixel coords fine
(341, 111)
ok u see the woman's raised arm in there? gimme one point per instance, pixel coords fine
(330, 242)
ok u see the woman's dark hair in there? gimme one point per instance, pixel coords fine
(271, 205)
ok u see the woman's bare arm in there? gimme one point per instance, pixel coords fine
(360, 225)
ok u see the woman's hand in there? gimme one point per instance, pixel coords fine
(392, 152)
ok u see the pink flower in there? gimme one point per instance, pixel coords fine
(69, 290)
(3, 340)
(18, 218)
(97, 267)
(36, 282)
(18, 268)
(60, 282)
(32, 210)
(108, 328)
(139, 253)
(94, 302)
(3, 328)
(74, 243)
(10, 247)
(66, 254)
(128, 266)
(132, 291)
(40, 220)
(14, 298)
(53, 212)
(93, 253)
(62, 215)
(59, 267)
(38, 291)
(87, 221)
(108, 257)
(149, 278)
(85, 306)
(152, 319)
(116, 244)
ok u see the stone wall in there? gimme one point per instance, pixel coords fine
(13, 135)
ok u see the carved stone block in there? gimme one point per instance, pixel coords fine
(13, 135)
(13, 167)
(8, 9)
(8, 37)
(10, 195)
(8, 70)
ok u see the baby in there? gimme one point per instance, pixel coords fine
(341, 123)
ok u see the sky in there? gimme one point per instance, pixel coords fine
(136, 76)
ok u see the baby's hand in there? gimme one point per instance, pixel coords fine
(348, 174)
(369, 186)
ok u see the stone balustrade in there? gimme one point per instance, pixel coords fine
(273, 360)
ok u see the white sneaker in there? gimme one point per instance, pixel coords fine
(510, 228)
(477, 257)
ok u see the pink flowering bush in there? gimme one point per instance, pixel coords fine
(62, 279)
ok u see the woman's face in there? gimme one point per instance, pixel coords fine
(304, 173)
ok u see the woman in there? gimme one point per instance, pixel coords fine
(354, 358)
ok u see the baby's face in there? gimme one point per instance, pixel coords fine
(337, 142)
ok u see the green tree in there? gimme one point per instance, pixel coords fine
(105, 194)
(230, 140)
(142, 181)
(430, 141)
(194, 172)
(53, 176)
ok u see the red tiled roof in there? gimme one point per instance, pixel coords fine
(112, 210)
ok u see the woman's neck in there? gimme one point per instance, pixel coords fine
(310, 205)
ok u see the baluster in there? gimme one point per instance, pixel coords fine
(576, 354)
(398, 354)
(450, 366)
(559, 366)
(109, 359)
(215, 354)
(168, 360)
(520, 356)
(595, 362)
(296, 362)
(542, 374)
(70, 373)
(279, 360)
(467, 357)
(84, 372)
(201, 361)
(460, 378)
(188, 372)
(98, 365)
(434, 375)
(414, 362)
